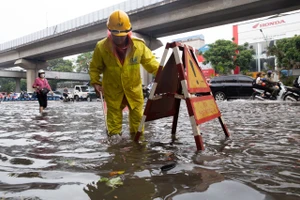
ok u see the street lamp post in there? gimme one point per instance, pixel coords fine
(267, 45)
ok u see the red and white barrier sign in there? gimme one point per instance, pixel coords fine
(179, 79)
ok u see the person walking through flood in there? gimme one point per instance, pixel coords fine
(118, 57)
(42, 88)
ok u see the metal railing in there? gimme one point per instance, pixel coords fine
(77, 23)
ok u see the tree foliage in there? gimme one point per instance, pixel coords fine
(60, 65)
(287, 52)
(7, 85)
(225, 55)
(83, 62)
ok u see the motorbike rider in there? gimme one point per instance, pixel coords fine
(271, 86)
(297, 82)
(258, 83)
(65, 92)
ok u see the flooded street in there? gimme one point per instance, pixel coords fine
(64, 154)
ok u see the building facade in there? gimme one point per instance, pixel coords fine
(195, 41)
(262, 34)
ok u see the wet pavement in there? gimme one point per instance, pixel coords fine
(64, 154)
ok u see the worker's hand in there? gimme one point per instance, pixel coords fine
(98, 89)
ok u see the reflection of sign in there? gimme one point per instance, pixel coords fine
(205, 109)
(195, 79)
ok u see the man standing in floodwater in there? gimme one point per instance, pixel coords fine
(118, 57)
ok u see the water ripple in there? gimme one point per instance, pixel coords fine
(47, 156)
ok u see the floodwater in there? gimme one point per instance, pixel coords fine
(64, 154)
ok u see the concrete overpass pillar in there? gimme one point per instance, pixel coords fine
(31, 67)
(152, 43)
(30, 77)
(18, 88)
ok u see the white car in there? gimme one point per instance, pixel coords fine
(80, 92)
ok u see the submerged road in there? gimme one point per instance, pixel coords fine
(64, 154)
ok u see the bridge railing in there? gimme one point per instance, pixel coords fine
(77, 23)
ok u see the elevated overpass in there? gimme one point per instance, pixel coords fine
(150, 18)
(18, 75)
(50, 75)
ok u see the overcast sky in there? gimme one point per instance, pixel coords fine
(21, 17)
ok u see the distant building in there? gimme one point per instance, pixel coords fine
(195, 41)
(201, 59)
(263, 33)
(203, 48)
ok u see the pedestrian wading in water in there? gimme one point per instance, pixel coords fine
(42, 88)
(118, 57)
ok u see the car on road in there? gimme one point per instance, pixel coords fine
(58, 94)
(54, 95)
(80, 92)
(92, 94)
(231, 87)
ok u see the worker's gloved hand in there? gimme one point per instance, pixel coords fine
(98, 89)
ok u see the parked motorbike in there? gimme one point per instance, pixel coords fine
(263, 94)
(292, 94)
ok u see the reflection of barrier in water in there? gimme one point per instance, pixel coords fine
(181, 79)
(161, 186)
(142, 178)
(196, 180)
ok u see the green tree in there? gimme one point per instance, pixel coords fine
(7, 85)
(23, 85)
(225, 55)
(83, 62)
(287, 52)
(60, 65)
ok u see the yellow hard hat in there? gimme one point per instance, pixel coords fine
(118, 23)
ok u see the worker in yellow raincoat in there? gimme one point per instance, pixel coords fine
(118, 57)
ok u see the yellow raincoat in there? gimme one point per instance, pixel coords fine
(122, 80)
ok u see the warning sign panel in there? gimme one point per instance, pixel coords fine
(205, 109)
(195, 79)
(180, 79)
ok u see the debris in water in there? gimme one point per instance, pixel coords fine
(168, 167)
